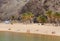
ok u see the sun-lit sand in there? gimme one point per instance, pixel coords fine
(46, 29)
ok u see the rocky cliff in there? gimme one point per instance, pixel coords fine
(41, 6)
(38, 7)
(11, 7)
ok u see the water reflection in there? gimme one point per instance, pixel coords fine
(10, 36)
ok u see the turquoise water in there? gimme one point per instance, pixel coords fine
(10, 36)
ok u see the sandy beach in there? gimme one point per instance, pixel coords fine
(46, 29)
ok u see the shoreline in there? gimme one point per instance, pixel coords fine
(31, 29)
(31, 33)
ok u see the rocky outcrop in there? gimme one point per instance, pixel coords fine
(39, 7)
(11, 7)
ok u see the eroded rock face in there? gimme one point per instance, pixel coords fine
(41, 6)
(11, 7)
(53, 5)
(16, 7)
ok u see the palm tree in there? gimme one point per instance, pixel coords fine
(31, 16)
(49, 15)
(27, 17)
(57, 17)
(41, 19)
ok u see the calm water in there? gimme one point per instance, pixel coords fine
(10, 36)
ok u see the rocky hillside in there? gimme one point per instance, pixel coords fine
(11, 7)
(37, 7)
(41, 6)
